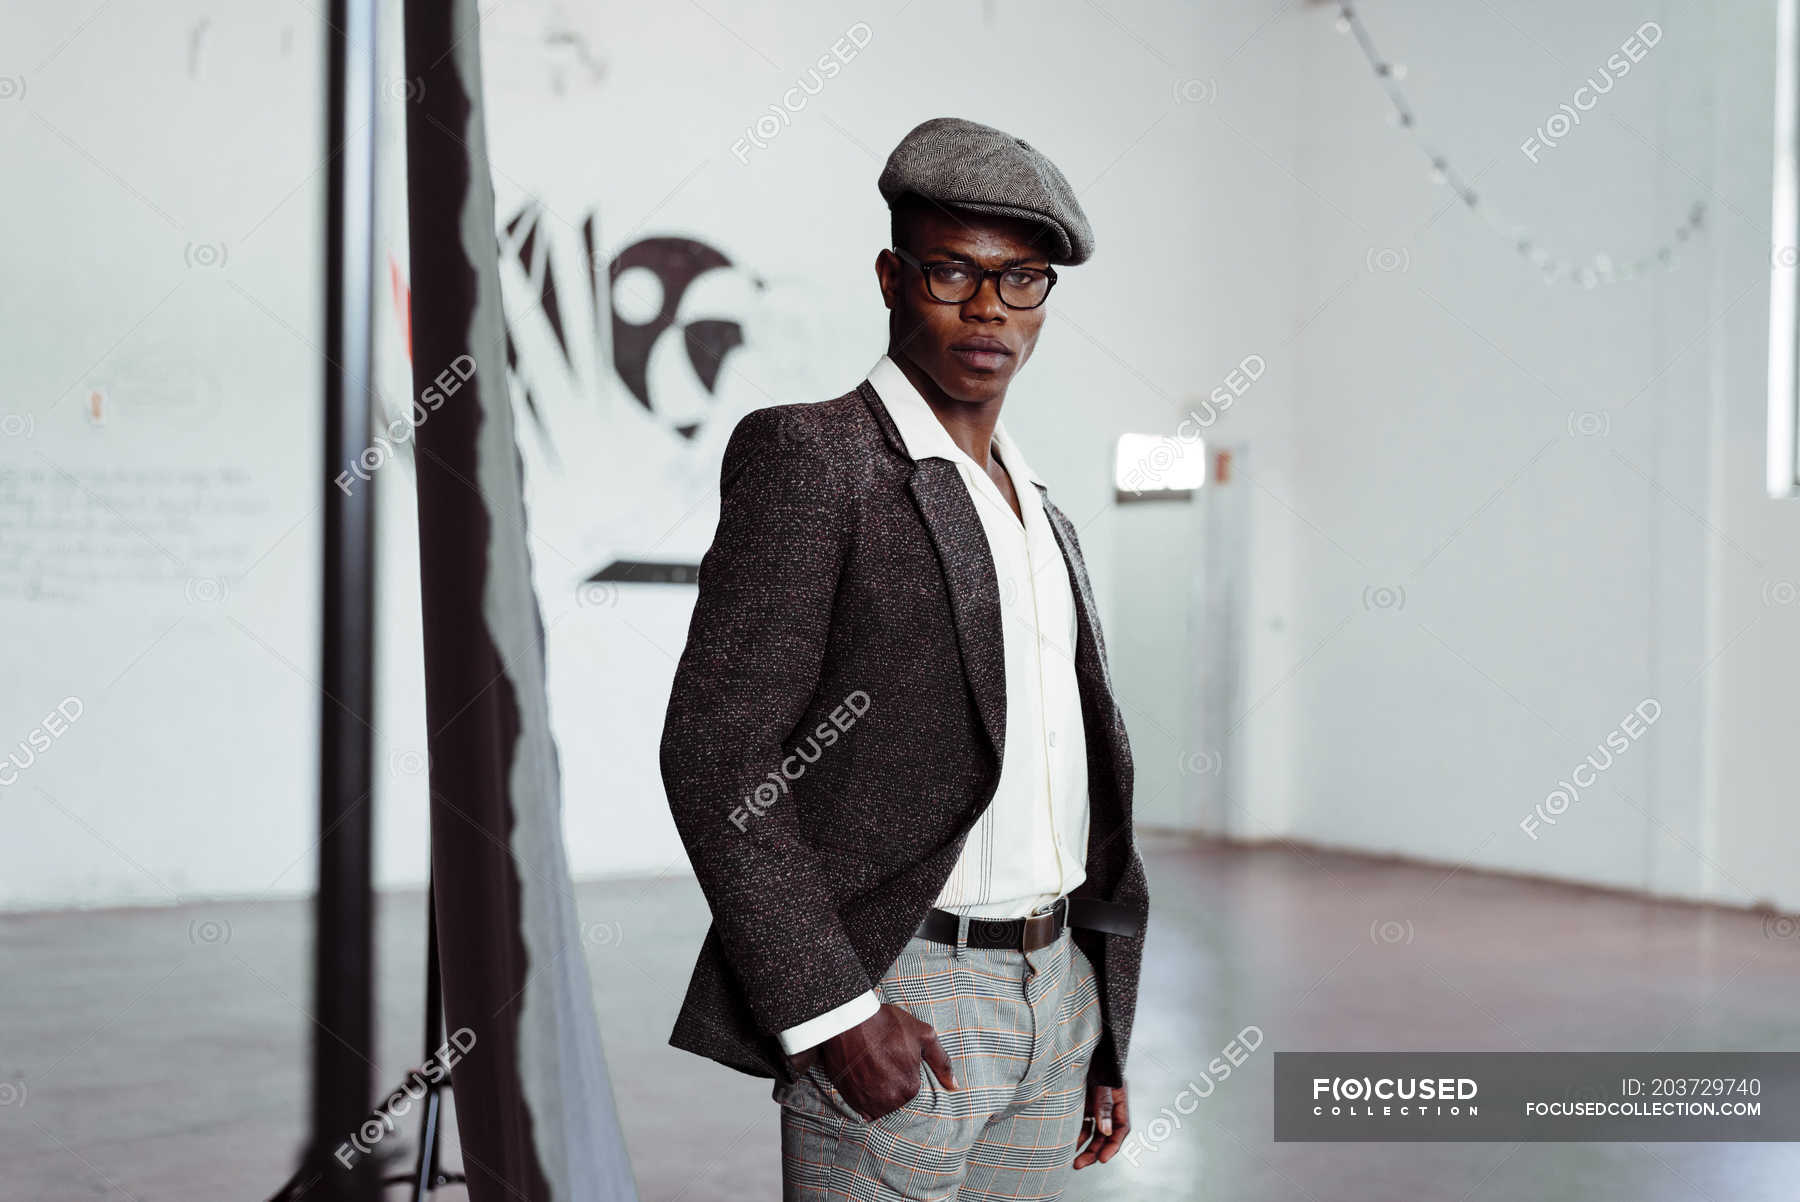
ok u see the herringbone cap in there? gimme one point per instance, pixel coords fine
(968, 165)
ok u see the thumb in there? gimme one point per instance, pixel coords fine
(937, 1058)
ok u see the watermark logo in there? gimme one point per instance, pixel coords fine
(378, 1125)
(1160, 461)
(1151, 1136)
(767, 128)
(1384, 596)
(209, 932)
(768, 792)
(597, 594)
(206, 255)
(405, 90)
(400, 430)
(603, 934)
(1389, 932)
(1567, 792)
(1426, 1095)
(1568, 115)
(1202, 763)
(409, 761)
(39, 738)
(1384, 260)
(1196, 91)
(206, 590)
(1592, 423)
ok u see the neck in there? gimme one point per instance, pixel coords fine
(970, 424)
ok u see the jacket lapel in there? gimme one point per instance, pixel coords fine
(1088, 646)
(949, 515)
(962, 548)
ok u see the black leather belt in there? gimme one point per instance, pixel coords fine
(1038, 930)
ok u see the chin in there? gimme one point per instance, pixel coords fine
(977, 387)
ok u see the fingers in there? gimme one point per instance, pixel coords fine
(1086, 1156)
(1121, 1126)
(937, 1059)
(1107, 1124)
(876, 1096)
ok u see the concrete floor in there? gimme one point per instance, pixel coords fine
(157, 1054)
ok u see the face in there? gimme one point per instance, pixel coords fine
(972, 349)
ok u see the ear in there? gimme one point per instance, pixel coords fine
(887, 274)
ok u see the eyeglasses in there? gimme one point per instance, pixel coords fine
(953, 281)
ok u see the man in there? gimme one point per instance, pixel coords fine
(892, 747)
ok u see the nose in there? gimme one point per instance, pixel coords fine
(986, 304)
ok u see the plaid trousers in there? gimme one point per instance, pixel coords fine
(1019, 1028)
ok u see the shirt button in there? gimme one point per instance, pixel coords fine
(1052, 738)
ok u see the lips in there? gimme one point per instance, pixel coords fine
(981, 354)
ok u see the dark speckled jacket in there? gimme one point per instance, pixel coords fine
(836, 725)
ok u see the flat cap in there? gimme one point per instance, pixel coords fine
(973, 166)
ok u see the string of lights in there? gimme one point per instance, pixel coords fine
(1596, 270)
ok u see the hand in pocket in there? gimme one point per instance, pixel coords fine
(875, 1064)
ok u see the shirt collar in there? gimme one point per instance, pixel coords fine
(922, 432)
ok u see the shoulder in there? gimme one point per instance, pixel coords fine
(837, 435)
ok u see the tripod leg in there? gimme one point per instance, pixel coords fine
(426, 1170)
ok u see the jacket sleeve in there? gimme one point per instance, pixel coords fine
(753, 661)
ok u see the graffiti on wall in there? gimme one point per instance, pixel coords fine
(635, 300)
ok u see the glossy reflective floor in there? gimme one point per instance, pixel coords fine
(158, 1054)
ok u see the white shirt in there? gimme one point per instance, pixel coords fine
(1029, 846)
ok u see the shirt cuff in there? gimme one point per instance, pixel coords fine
(834, 1021)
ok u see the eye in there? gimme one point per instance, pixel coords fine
(1023, 277)
(952, 273)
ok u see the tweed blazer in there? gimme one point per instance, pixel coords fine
(836, 726)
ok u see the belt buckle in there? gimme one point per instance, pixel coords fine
(1047, 922)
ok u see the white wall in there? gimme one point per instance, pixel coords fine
(1750, 825)
(1552, 579)
(159, 564)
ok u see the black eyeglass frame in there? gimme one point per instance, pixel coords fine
(994, 272)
